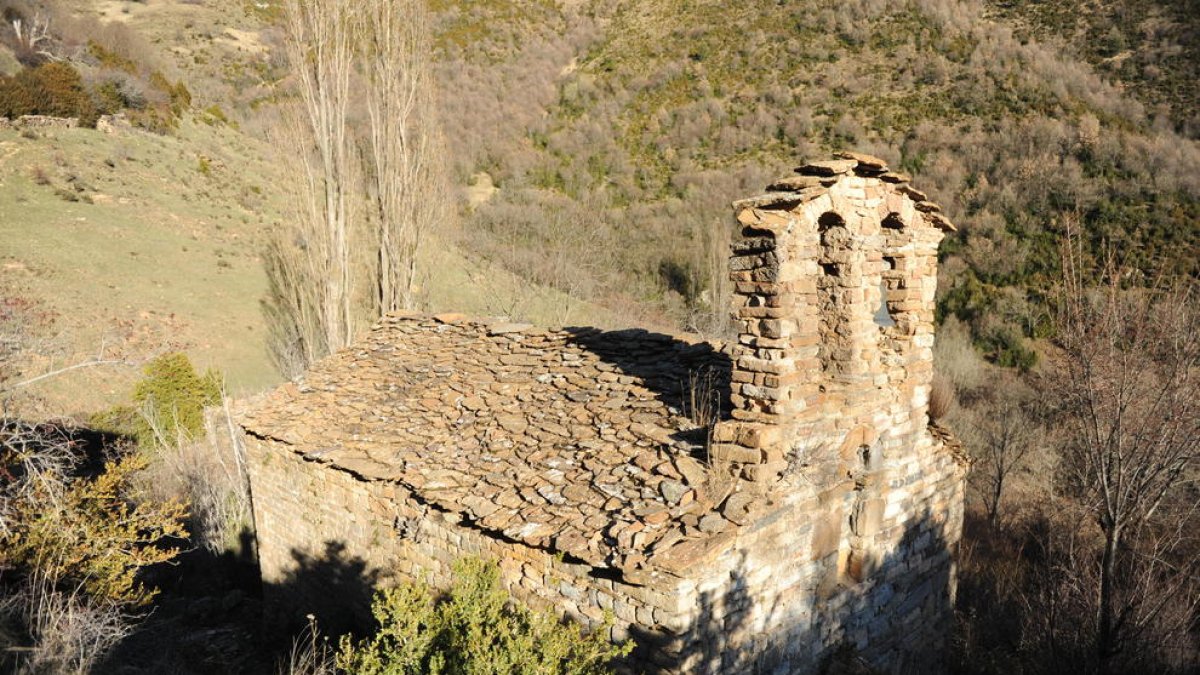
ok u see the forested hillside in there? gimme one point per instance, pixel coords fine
(596, 146)
(640, 122)
(1149, 46)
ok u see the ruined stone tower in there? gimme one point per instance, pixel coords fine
(835, 274)
(820, 512)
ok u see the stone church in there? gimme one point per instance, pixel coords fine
(753, 506)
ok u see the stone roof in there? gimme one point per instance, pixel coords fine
(814, 179)
(571, 439)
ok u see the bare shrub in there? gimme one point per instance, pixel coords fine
(955, 357)
(181, 422)
(942, 397)
(39, 176)
(64, 631)
(209, 470)
(34, 463)
(71, 549)
(1003, 436)
(117, 38)
(558, 244)
(294, 337)
(310, 654)
(1125, 388)
(702, 405)
(710, 313)
(702, 398)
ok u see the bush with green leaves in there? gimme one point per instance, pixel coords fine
(55, 89)
(168, 403)
(75, 539)
(475, 628)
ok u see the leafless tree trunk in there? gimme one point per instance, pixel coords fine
(710, 314)
(321, 51)
(409, 189)
(322, 283)
(33, 36)
(1006, 436)
(1126, 381)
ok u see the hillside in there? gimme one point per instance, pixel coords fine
(137, 243)
(594, 148)
(130, 244)
(655, 115)
(1151, 47)
(598, 147)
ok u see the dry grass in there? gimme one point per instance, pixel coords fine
(210, 472)
(943, 398)
(311, 653)
(702, 399)
(66, 633)
(702, 405)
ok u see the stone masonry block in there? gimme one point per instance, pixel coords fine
(812, 373)
(731, 452)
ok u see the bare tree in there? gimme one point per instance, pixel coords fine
(32, 35)
(710, 309)
(1004, 436)
(316, 270)
(1126, 381)
(338, 268)
(408, 187)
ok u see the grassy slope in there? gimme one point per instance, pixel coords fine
(164, 257)
(161, 249)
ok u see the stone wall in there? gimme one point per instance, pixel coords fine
(39, 122)
(113, 124)
(819, 265)
(843, 506)
(783, 599)
(326, 536)
(835, 273)
(778, 599)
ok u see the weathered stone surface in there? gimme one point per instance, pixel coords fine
(769, 200)
(828, 167)
(798, 183)
(825, 509)
(693, 472)
(672, 491)
(738, 506)
(40, 122)
(864, 161)
(113, 124)
(506, 328)
(713, 523)
(453, 402)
